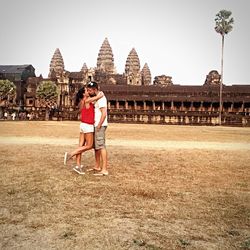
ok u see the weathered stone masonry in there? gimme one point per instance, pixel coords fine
(132, 96)
(194, 105)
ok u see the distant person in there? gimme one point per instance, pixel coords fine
(86, 107)
(13, 115)
(5, 115)
(101, 123)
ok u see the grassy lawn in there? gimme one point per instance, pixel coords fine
(154, 198)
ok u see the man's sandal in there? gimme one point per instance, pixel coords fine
(93, 169)
(100, 174)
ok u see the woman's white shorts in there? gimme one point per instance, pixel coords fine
(86, 128)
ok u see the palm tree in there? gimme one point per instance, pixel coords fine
(223, 25)
(47, 94)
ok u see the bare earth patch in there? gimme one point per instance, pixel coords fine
(157, 196)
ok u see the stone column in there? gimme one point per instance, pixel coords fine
(66, 101)
(153, 105)
(182, 106)
(192, 106)
(117, 104)
(242, 107)
(126, 104)
(232, 106)
(163, 106)
(68, 104)
(135, 105)
(144, 105)
(58, 100)
(63, 100)
(108, 104)
(172, 105)
(201, 106)
(211, 107)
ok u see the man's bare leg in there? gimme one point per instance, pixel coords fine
(101, 154)
(104, 157)
(97, 160)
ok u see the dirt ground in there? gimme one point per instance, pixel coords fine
(169, 187)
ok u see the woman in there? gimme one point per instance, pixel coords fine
(86, 106)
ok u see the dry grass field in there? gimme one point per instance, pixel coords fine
(169, 187)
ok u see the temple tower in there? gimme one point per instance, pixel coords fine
(84, 68)
(86, 74)
(132, 68)
(163, 80)
(56, 65)
(146, 75)
(213, 78)
(105, 60)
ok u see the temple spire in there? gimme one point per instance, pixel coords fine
(146, 75)
(84, 68)
(56, 64)
(105, 60)
(132, 68)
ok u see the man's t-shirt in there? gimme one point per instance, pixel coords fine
(101, 103)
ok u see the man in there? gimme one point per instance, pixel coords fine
(100, 126)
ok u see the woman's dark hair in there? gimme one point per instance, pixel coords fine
(79, 95)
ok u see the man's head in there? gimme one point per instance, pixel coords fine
(92, 88)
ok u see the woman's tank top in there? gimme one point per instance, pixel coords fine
(88, 114)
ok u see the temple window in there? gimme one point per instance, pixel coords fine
(237, 105)
(196, 105)
(112, 104)
(121, 104)
(227, 105)
(130, 104)
(177, 105)
(158, 105)
(139, 105)
(206, 105)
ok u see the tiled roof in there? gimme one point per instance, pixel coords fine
(13, 68)
(76, 75)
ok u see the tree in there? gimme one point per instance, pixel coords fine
(223, 25)
(7, 92)
(47, 94)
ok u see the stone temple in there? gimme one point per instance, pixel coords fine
(56, 65)
(132, 69)
(105, 59)
(133, 97)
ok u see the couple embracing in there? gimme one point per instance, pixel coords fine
(93, 109)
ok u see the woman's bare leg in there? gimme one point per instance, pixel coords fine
(81, 143)
(88, 145)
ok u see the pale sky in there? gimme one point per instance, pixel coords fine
(175, 37)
